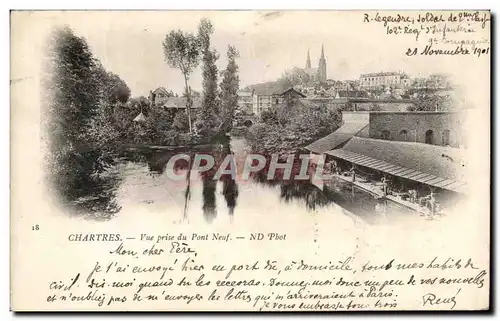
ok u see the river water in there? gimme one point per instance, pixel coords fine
(140, 185)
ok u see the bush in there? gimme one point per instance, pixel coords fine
(180, 121)
(287, 128)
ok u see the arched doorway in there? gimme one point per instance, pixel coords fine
(446, 137)
(248, 123)
(403, 135)
(429, 137)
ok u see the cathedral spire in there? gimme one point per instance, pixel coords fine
(308, 61)
(322, 66)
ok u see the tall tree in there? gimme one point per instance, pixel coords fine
(229, 89)
(182, 51)
(71, 102)
(118, 90)
(112, 88)
(209, 105)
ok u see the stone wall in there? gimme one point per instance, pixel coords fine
(422, 127)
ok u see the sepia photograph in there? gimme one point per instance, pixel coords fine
(250, 160)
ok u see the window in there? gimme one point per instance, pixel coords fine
(386, 134)
(429, 137)
(403, 135)
(446, 137)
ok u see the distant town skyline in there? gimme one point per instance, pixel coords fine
(130, 45)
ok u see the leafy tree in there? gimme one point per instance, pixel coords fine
(138, 104)
(194, 94)
(269, 116)
(112, 88)
(118, 89)
(293, 77)
(103, 129)
(181, 121)
(209, 106)
(123, 116)
(289, 127)
(431, 102)
(72, 97)
(229, 89)
(181, 51)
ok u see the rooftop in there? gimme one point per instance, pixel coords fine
(245, 93)
(160, 90)
(290, 89)
(337, 138)
(382, 73)
(180, 102)
(440, 161)
(352, 94)
(266, 89)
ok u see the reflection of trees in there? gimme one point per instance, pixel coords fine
(230, 191)
(157, 163)
(209, 187)
(311, 195)
(297, 189)
(229, 186)
(187, 193)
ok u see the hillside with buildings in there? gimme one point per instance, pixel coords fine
(390, 91)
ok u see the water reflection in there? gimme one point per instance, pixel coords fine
(230, 192)
(209, 207)
(92, 191)
(315, 196)
(198, 192)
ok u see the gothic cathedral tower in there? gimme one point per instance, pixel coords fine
(322, 66)
(308, 61)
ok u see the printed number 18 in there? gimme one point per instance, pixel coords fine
(35, 227)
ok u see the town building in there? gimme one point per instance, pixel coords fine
(429, 127)
(245, 101)
(159, 96)
(179, 103)
(342, 85)
(264, 97)
(289, 95)
(433, 82)
(414, 149)
(381, 80)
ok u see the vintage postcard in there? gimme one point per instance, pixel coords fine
(250, 160)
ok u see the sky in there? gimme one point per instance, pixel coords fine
(129, 43)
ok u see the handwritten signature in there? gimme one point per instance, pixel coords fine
(431, 299)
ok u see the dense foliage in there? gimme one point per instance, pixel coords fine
(89, 115)
(184, 51)
(208, 122)
(431, 102)
(286, 128)
(75, 106)
(293, 77)
(229, 89)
